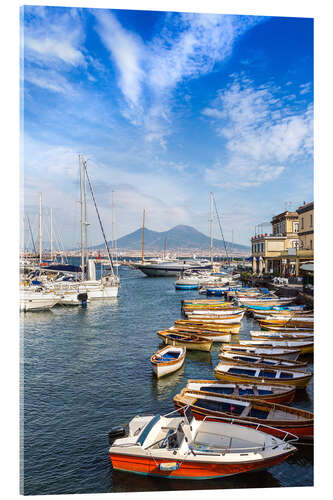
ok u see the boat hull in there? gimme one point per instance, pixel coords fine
(299, 383)
(190, 469)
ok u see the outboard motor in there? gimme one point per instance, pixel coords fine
(115, 433)
(83, 297)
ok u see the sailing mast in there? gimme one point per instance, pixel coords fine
(85, 221)
(143, 235)
(82, 223)
(211, 229)
(51, 240)
(218, 219)
(40, 229)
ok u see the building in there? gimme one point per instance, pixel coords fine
(290, 244)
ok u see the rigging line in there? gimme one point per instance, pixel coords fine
(218, 219)
(32, 238)
(99, 218)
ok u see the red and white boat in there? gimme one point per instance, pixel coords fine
(181, 447)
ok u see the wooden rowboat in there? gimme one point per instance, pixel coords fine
(189, 341)
(287, 329)
(246, 373)
(232, 318)
(206, 334)
(251, 413)
(167, 360)
(306, 323)
(268, 352)
(304, 346)
(281, 335)
(265, 392)
(204, 325)
(261, 361)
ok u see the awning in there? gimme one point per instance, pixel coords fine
(307, 267)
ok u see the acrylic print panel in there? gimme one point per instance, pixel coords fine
(154, 142)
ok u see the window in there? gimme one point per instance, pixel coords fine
(310, 244)
(302, 222)
(310, 220)
(295, 227)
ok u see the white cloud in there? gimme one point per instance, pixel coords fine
(262, 137)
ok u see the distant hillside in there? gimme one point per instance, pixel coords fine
(177, 238)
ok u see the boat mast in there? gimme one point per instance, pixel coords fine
(32, 238)
(211, 229)
(143, 235)
(82, 225)
(51, 241)
(165, 240)
(40, 228)
(218, 219)
(85, 219)
(99, 219)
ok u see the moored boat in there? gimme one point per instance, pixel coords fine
(186, 448)
(231, 318)
(167, 360)
(260, 334)
(260, 361)
(251, 412)
(214, 336)
(204, 325)
(255, 375)
(189, 341)
(265, 392)
(280, 352)
(297, 322)
(304, 346)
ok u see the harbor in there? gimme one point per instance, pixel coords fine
(87, 370)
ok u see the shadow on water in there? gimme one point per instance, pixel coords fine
(125, 482)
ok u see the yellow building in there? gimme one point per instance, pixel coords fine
(290, 245)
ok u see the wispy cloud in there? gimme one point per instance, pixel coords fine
(187, 46)
(263, 132)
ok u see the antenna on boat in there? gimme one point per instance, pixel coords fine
(99, 218)
(218, 219)
(143, 235)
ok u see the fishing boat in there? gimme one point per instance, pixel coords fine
(305, 347)
(167, 360)
(281, 335)
(189, 341)
(281, 314)
(251, 412)
(260, 361)
(204, 325)
(285, 329)
(265, 301)
(219, 312)
(186, 448)
(265, 392)
(291, 354)
(210, 318)
(214, 336)
(246, 373)
(277, 308)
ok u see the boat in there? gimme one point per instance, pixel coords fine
(204, 325)
(291, 354)
(167, 360)
(169, 267)
(265, 392)
(305, 347)
(270, 308)
(182, 447)
(210, 318)
(214, 336)
(285, 329)
(281, 335)
(306, 323)
(247, 373)
(251, 412)
(260, 361)
(219, 312)
(189, 341)
(264, 301)
(37, 300)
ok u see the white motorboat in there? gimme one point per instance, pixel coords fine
(37, 300)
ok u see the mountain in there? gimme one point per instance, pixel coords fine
(178, 238)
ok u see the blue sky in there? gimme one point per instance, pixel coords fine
(167, 107)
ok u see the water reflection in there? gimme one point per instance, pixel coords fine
(165, 387)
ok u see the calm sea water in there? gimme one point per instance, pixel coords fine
(87, 370)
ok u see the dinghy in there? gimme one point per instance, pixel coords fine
(204, 325)
(304, 346)
(260, 361)
(189, 341)
(302, 322)
(281, 335)
(207, 334)
(209, 318)
(265, 392)
(291, 354)
(251, 413)
(167, 360)
(185, 448)
(256, 375)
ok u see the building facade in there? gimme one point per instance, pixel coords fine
(290, 244)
